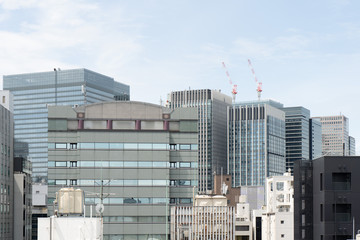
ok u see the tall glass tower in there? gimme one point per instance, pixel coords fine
(297, 135)
(33, 92)
(256, 142)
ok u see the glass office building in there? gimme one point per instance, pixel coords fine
(256, 142)
(297, 135)
(33, 92)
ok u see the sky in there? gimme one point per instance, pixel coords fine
(305, 53)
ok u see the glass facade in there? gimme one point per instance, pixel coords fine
(297, 135)
(33, 92)
(256, 142)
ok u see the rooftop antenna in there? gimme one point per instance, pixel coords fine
(259, 84)
(234, 86)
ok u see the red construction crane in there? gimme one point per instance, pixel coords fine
(259, 84)
(234, 86)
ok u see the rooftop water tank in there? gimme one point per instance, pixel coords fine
(70, 201)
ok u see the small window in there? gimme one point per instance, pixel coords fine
(282, 235)
(185, 147)
(73, 145)
(173, 147)
(73, 163)
(185, 165)
(173, 165)
(73, 181)
(60, 164)
(60, 145)
(37, 192)
(3, 99)
(282, 221)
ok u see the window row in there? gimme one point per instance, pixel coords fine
(121, 164)
(123, 146)
(113, 182)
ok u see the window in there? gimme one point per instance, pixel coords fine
(173, 165)
(73, 145)
(73, 181)
(185, 147)
(321, 213)
(73, 163)
(321, 181)
(173, 147)
(282, 235)
(341, 181)
(185, 164)
(282, 222)
(60, 164)
(60, 145)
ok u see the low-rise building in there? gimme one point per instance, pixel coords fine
(278, 218)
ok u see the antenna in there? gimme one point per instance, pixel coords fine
(259, 84)
(234, 86)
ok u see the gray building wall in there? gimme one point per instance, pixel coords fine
(6, 173)
(33, 92)
(145, 154)
(212, 106)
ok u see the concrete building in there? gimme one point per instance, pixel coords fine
(39, 206)
(335, 135)
(278, 218)
(7, 172)
(212, 127)
(22, 199)
(34, 91)
(352, 150)
(326, 198)
(222, 186)
(243, 223)
(255, 196)
(209, 218)
(256, 142)
(143, 156)
(70, 221)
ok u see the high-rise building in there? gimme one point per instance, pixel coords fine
(212, 127)
(315, 141)
(33, 92)
(137, 159)
(256, 142)
(6, 173)
(352, 150)
(297, 134)
(335, 135)
(326, 197)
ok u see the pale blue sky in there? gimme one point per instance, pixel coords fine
(305, 52)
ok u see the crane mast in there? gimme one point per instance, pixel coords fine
(234, 86)
(259, 84)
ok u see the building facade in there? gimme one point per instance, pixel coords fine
(278, 217)
(135, 158)
(315, 132)
(22, 199)
(256, 142)
(335, 135)
(209, 218)
(352, 150)
(6, 173)
(33, 92)
(212, 106)
(297, 135)
(329, 208)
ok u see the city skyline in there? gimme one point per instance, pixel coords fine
(306, 54)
